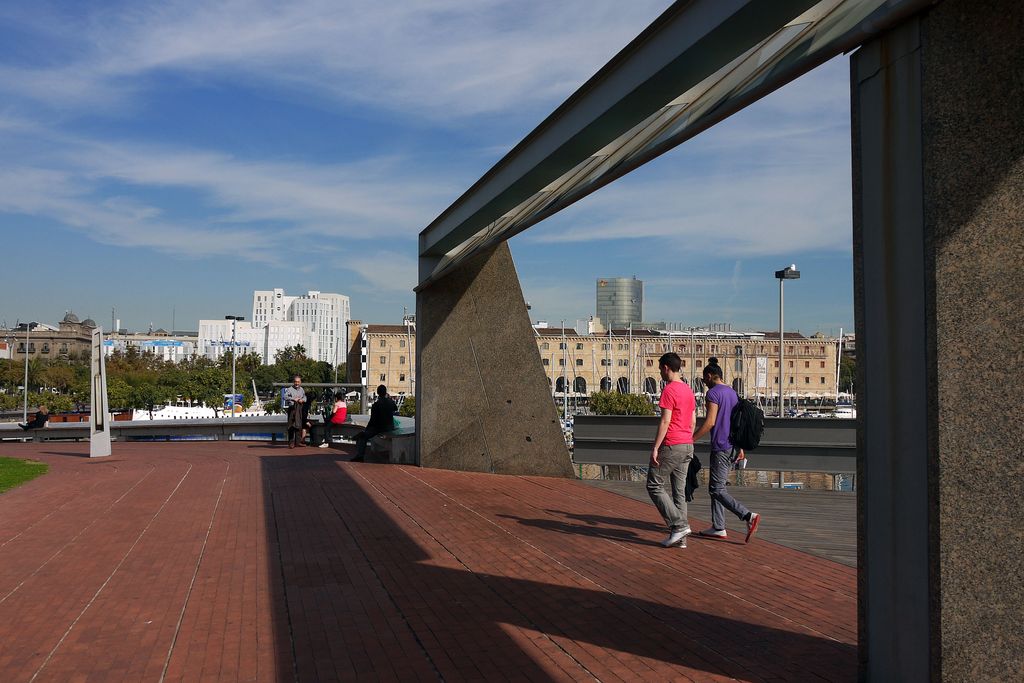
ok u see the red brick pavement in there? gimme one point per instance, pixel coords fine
(240, 561)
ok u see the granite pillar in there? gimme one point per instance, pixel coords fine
(938, 127)
(483, 400)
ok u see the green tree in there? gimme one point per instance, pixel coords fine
(408, 408)
(847, 373)
(614, 403)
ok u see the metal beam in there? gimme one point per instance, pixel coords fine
(726, 54)
(687, 43)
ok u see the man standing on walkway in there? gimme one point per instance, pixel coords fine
(672, 451)
(294, 402)
(720, 401)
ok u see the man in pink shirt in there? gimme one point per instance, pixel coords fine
(672, 451)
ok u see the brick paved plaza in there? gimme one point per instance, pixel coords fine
(225, 561)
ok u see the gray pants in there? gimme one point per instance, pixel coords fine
(721, 463)
(673, 462)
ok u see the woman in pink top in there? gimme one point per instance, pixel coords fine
(338, 416)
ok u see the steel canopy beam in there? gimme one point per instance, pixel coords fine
(687, 43)
(690, 44)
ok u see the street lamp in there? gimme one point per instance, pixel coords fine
(234, 353)
(787, 273)
(28, 336)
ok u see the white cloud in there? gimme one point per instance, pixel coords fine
(447, 58)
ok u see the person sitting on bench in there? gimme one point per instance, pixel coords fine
(382, 419)
(339, 412)
(37, 422)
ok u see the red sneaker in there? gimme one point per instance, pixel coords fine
(752, 523)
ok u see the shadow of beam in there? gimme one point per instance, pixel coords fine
(358, 595)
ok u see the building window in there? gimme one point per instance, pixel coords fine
(604, 361)
(650, 362)
(579, 346)
(776, 363)
(791, 380)
(401, 377)
(807, 363)
(622, 347)
(401, 360)
(544, 361)
(46, 348)
(383, 377)
(822, 380)
(383, 359)
(623, 362)
(700, 348)
(383, 343)
(683, 362)
(401, 343)
(822, 363)
(545, 346)
(682, 347)
(579, 362)
(562, 346)
(604, 347)
(807, 380)
(561, 362)
(790, 363)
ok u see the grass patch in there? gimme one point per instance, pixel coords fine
(15, 472)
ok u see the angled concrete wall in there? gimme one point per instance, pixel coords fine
(483, 401)
(938, 124)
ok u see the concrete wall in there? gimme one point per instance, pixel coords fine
(483, 402)
(972, 69)
(938, 125)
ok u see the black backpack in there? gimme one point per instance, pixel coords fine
(746, 425)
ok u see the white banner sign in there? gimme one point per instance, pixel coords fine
(762, 373)
(99, 418)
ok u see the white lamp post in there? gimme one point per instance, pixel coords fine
(787, 273)
(28, 336)
(234, 355)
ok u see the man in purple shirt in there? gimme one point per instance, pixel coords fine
(720, 400)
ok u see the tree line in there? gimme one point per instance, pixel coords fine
(142, 381)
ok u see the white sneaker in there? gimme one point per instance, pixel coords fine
(675, 538)
(713, 533)
(324, 445)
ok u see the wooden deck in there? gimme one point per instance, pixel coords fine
(823, 523)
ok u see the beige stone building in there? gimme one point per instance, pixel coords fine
(71, 339)
(382, 354)
(624, 360)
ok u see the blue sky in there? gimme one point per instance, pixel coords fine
(175, 156)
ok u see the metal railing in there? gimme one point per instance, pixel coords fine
(791, 444)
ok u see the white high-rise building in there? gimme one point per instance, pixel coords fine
(325, 315)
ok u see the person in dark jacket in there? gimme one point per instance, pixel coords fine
(382, 419)
(37, 422)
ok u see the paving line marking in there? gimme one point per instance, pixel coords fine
(111, 576)
(76, 536)
(192, 583)
(47, 516)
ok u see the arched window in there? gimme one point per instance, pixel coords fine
(606, 384)
(650, 386)
(579, 385)
(623, 385)
(560, 385)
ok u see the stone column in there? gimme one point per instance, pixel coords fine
(938, 127)
(482, 400)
